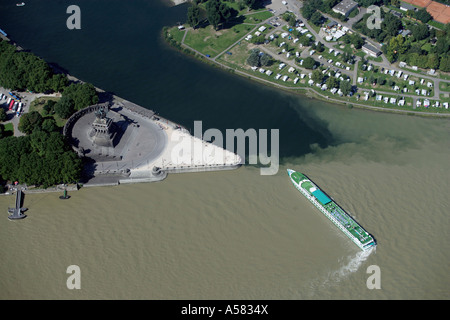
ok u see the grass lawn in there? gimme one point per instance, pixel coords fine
(211, 42)
(257, 17)
(38, 104)
(176, 34)
(444, 86)
(8, 129)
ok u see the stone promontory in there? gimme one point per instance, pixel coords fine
(126, 143)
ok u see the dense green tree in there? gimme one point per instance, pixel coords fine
(357, 41)
(289, 17)
(253, 58)
(317, 76)
(218, 12)
(304, 41)
(423, 15)
(193, 16)
(258, 58)
(332, 82)
(21, 70)
(49, 107)
(433, 61)
(391, 24)
(345, 87)
(58, 82)
(30, 121)
(320, 47)
(316, 18)
(49, 125)
(419, 31)
(3, 115)
(265, 60)
(254, 4)
(83, 95)
(40, 158)
(396, 46)
(444, 64)
(309, 63)
(65, 107)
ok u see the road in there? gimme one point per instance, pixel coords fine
(295, 6)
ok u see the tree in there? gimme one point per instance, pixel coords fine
(309, 63)
(58, 82)
(305, 41)
(357, 41)
(3, 116)
(345, 87)
(49, 107)
(423, 15)
(317, 76)
(65, 107)
(21, 70)
(391, 24)
(316, 18)
(289, 18)
(433, 61)
(213, 13)
(320, 47)
(253, 59)
(218, 11)
(420, 31)
(39, 158)
(396, 46)
(30, 121)
(332, 82)
(49, 125)
(83, 95)
(265, 60)
(307, 11)
(445, 64)
(193, 16)
(391, 82)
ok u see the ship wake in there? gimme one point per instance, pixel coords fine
(348, 266)
(353, 265)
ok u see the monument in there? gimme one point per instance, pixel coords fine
(102, 132)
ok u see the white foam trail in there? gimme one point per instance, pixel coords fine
(335, 277)
(352, 266)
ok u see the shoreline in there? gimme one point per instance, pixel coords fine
(176, 39)
(308, 92)
(155, 168)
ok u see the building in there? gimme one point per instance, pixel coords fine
(406, 7)
(331, 24)
(405, 33)
(374, 52)
(345, 7)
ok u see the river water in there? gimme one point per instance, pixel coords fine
(231, 234)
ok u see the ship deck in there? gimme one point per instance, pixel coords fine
(333, 209)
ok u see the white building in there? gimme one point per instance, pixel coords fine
(345, 7)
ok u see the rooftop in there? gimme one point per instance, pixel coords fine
(370, 48)
(345, 6)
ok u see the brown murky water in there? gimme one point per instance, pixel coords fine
(240, 235)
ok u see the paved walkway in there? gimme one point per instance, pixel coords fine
(26, 98)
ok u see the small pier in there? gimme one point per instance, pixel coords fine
(18, 211)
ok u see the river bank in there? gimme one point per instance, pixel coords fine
(230, 46)
(143, 146)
